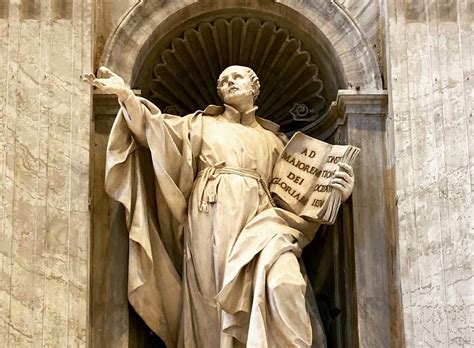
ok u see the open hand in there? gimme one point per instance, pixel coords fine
(108, 82)
(343, 180)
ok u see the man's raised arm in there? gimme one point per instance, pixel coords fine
(110, 83)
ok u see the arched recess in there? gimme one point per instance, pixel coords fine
(344, 61)
(156, 31)
(151, 22)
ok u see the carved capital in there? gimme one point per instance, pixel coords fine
(360, 102)
(348, 102)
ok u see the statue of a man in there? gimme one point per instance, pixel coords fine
(213, 263)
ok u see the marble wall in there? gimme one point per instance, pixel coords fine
(45, 112)
(108, 14)
(430, 74)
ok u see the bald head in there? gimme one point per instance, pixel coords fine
(237, 80)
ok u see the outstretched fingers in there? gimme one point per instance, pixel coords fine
(89, 78)
(93, 81)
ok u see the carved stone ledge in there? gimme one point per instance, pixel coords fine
(348, 102)
(363, 102)
(106, 105)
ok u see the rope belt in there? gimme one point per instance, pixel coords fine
(211, 178)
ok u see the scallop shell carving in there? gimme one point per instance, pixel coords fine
(185, 78)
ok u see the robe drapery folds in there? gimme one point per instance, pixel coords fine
(155, 215)
(154, 188)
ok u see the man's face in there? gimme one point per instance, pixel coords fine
(234, 84)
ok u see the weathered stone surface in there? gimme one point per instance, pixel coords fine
(108, 14)
(44, 175)
(431, 88)
(373, 219)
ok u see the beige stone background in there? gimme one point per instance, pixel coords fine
(430, 50)
(45, 113)
(425, 54)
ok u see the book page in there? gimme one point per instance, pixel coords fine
(302, 176)
(294, 172)
(322, 192)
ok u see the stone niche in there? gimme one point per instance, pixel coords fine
(318, 76)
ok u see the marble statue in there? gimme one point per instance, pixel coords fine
(212, 262)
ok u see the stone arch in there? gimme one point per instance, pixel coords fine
(149, 22)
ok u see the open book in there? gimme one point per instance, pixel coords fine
(302, 174)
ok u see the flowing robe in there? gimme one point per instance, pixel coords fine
(211, 261)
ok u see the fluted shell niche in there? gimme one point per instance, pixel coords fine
(295, 93)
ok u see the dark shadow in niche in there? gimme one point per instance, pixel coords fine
(318, 259)
(327, 260)
(140, 335)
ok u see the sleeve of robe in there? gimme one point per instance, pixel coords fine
(153, 186)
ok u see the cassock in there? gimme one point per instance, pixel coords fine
(212, 261)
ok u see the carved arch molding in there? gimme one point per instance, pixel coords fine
(303, 54)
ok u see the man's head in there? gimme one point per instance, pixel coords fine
(237, 83)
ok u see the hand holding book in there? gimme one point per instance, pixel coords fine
(312, 178)
(343, 180)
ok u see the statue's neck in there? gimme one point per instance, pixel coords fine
(246, 117)
(244, 106)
